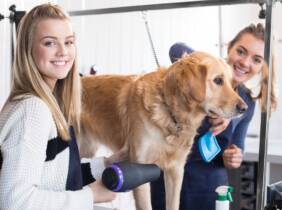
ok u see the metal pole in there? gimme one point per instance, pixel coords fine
(264, 126)
(220, 40)
(150, 38)
(161, 6)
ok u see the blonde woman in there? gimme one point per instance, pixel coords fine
(41, 166)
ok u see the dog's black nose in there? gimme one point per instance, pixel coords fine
(241, 107)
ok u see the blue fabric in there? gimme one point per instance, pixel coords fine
(74, 179)
(57, 145)
(201, 178)
(79, 174)
(54, 147)
(177, 50)
(86, 174)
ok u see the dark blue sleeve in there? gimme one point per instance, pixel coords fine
(86, 174)
(241, 124)
(223, 139)
(236, 131)
(83, 169)
(240, 131)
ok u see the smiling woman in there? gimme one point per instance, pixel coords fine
(246, 56)
(40, 118)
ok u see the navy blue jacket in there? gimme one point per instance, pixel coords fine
(200, 178)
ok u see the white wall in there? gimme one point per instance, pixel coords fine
(276, 119)
(5, 57)
(119, 44)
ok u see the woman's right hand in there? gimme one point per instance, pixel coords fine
(218, 125)
(100, 193)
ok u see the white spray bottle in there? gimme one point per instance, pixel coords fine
(224, 197)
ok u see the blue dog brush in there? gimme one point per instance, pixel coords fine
(208, 146)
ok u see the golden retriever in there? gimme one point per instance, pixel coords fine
(155, 116)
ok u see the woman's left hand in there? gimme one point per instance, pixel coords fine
(218, 125)
(232, 157)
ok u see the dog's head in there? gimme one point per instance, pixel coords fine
(203, 81)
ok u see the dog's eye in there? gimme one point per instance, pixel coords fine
(218, 81)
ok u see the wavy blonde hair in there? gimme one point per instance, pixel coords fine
(258, 32)
(65, 100)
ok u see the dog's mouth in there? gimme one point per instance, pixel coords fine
(220, 113)
(211, 113)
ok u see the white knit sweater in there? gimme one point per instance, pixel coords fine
(27, 181)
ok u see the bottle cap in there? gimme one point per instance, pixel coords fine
(224, 193)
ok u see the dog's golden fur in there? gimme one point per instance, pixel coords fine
(155, 116)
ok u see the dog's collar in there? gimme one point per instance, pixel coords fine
(177, 125)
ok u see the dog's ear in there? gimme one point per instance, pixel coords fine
(187, 79)
(193, 82)
(170, 81)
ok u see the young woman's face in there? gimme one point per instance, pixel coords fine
(53, 49)
(246, 58)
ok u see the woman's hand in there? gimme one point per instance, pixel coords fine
(100, 193)
(232, 157)
(218, 125)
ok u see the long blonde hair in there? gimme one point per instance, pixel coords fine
(258, 32)
(65, 101)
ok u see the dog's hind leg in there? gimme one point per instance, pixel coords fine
(173, 178)
(142, 197)
(87, 144)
